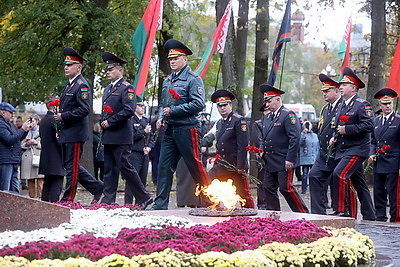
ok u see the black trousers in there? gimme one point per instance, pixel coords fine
(282, 180)
(76, 173)
(141, 163)
(116, 161)
(387, 184)
(52, 188)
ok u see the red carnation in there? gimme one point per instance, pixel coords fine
(344, 119)
(108, 109)
(217, 158)
(174, 94)
(55, 103)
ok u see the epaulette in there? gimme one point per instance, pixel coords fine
(125, 83)
(237, 116)
(193, 73)
(360, 100)
(285, 109)
(79, 81)
(397, 116)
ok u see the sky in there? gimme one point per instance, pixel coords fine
(328, 24)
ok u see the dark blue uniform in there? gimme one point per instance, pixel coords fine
(352, 150)
(232, 138)
(137, 158)
(182, 137)
(281, 139)
(51, 159)
(321, 172)
(74, 108)
(386, 167)
(117, 139)
(256, 132)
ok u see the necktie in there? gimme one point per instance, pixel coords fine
(329, 108)
(384, 120)
(272, 116)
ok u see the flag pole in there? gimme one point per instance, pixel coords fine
(283, 64)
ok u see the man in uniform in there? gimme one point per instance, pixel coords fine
(386, 167)
(142, 145)
(182, 100)
(321, 172)
(281, 140)
(232, 138)
(73, 114)
(354, 125)
(117, 137)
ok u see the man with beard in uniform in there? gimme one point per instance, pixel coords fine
(386, 164)
(117, 135)
(281, 141)
(73, 115)
(354, 125)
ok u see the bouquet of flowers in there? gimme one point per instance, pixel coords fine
(230, 167)
(382, 150)
(257, 151)
(56, 105)
(329, 154)
(107, 111)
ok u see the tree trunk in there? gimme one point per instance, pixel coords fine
(87, 154)
(228, 59)
(242, 29)
(260, 65)
(376, 72)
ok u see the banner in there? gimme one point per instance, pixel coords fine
(143, 41)
(284, 35)
(394, 77)
(217, 43)
(344, 48)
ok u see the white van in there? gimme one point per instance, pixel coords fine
(304, 111)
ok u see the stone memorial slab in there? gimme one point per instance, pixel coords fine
(27, 214)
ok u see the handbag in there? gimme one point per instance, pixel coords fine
(35, 159)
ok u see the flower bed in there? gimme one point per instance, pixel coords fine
(241, 241)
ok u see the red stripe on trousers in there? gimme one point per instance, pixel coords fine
(292, 193)
(75, 171)
(196, 152)
(342, 183)
(353, 200)
(249, 199)
(397, 218)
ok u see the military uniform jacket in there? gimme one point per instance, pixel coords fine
(281, 139)
(51, 157)
(185, 110)
(326, 130)
(360, 124)
(232, 138)
(122, 99)
(387, 134)
(74, 108)
(256, 133)
(140, 138)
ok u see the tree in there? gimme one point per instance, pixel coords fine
(376, 74)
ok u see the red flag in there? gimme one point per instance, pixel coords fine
(143, 40)
(344, 49)
(394, 77)
(217, 43)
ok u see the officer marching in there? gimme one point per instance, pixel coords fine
(386, 164)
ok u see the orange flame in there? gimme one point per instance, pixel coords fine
(222, 195)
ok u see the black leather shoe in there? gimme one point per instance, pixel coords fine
(145, 204)
(341, 214)
(96, 197)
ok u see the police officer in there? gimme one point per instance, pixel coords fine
(142, 145)
(354, 126)
(386, 167)
(281, 140)
(321, 172)
(182, 100)
(73, 114)
(232, 137)
(117, 134)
